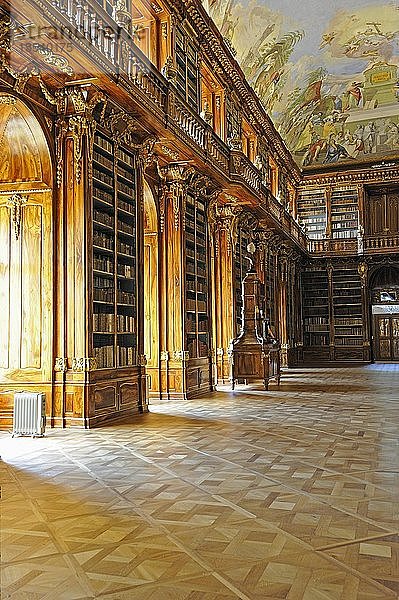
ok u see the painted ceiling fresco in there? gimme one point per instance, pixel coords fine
(326, 71)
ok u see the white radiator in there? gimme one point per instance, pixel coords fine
(29, 414)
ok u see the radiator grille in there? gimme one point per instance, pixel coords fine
(29, 414)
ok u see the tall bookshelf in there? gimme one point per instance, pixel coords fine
(197, 295)
(312, 212)
(187, 77)
(316, 319)
(270, 291)
(344, 212)
(348, 314)
(114, 328)
(241, 266)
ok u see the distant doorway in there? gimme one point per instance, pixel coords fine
(384, 287)
(151, 291)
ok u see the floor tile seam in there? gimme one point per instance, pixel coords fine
(362, 576)
(156, 523)
(272, 477)
(73, 563)
(150, 584)
(356, 541)
(297, 492)
(279, 482)
(294, 439)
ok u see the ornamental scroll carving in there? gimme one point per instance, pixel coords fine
(174, 177)
(74, 105)
(224, 217)
(83, 364)
(16, 204)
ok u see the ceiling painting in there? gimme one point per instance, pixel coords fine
(326, 72)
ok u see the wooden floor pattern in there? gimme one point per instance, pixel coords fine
(287, 494)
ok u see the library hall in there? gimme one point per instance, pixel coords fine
(199, 299)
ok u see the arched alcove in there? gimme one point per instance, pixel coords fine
(26, 254)
(24, 152)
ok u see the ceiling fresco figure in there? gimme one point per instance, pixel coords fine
(327, 73)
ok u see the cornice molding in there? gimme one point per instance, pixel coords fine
(355, 177)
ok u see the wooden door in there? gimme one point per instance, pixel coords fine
(386, 329)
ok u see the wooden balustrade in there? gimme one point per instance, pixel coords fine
(90, 21)
(241, 166)
(381, 242)
(332, 245)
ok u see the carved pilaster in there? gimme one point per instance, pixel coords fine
(175, 178)
(224, 217)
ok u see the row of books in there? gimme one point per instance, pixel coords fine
(199, 305)
(126, 189)
(103, 195)
(103, 218)
(125, 157)
(102, 282)
(104, 143)
(125, 297)
(125, 227)
(103, 263)
(344, 234)
(125, 248)
(316, 320)
(102, 240)
(104, 356)
(126, 206)
(103, 160)
(126, 323)
(345, 341)
(103, 295)
(348, 330)
(126, 355)
(316, 328)
(103, 177)
(125, 270)
(103, 322)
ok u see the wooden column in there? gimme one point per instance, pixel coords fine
(330, 270)
(283, 305)
(223, 225)
(363, 273)
(174, 356)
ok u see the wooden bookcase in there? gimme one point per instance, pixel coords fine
(114, 338)
(196, 299)
(344, 212)
(241, 266)
(316, 311)
(197, 292)
(270, 291)
(333, 312)
(347, 314)
(312, 212)
(187, 70)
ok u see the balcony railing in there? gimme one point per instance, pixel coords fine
(241, 167)
(333, 245)
(381, 242)
(119, 55)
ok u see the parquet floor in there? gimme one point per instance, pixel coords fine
(290, 494)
